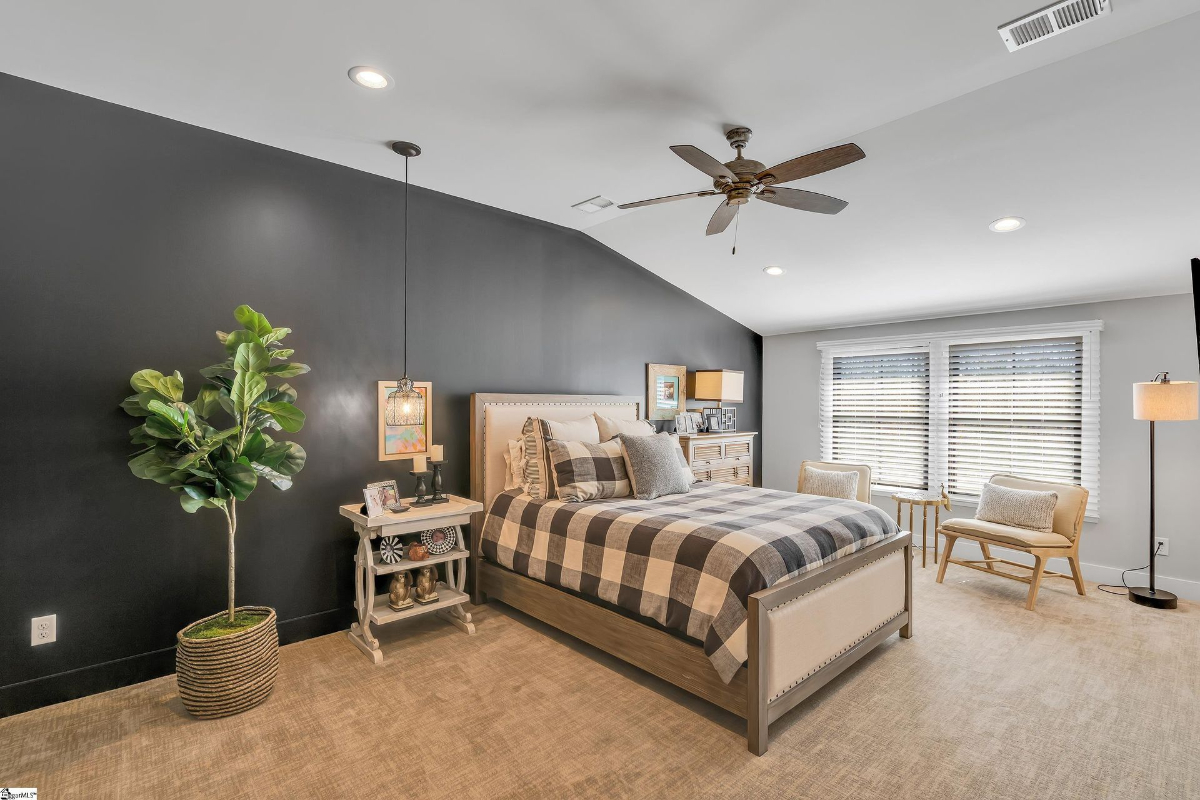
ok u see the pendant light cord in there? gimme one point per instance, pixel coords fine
(406, 266)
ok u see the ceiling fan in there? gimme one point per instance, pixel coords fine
(743, 178)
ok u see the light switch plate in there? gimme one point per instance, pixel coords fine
(45, 630)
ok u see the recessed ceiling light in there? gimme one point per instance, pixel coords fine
(1007, 224)
(593, 205)
(370, 77)
(773, 270)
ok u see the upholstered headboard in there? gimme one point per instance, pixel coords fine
(496, 418)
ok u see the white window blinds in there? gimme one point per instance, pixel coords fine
(1018, 407)
(959, 407)
(878, 414)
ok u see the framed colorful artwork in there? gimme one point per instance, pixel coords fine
(404, 441)
(665, 388)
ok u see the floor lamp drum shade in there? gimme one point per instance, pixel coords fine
(721, 385)
(1166, 401)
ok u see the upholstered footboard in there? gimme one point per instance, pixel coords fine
(805, 631)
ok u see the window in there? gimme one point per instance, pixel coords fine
(879, 407)
(957, 408)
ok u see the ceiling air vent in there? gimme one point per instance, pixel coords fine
(1051, 21)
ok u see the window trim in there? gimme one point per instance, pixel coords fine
(938, 345)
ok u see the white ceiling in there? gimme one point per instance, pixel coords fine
(532, 106)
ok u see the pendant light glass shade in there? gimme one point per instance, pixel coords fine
(405, 406)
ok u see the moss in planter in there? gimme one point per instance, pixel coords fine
(221, 626)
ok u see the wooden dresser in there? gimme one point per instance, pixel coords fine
(727, 456)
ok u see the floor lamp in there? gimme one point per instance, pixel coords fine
(1161, 400)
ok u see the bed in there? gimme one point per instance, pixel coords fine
(788, 592)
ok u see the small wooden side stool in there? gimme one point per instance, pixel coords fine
(924, 500)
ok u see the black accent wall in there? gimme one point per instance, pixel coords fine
(127, 239)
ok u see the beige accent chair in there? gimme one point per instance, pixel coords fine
(1063, 542)
(864, 476)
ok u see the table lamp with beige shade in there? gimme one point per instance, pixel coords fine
(719, 386)
(1161, 400)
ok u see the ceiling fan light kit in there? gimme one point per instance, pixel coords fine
(743, 178)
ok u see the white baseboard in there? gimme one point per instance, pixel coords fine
(1100, 573)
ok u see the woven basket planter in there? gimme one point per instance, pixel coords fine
(228, 674)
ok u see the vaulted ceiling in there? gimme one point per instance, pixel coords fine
(1092, 136)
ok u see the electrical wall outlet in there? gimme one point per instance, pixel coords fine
(1160, 544)
(45, 630)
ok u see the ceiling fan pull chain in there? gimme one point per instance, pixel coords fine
(737, 219)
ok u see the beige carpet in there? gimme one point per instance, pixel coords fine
(1087, 697)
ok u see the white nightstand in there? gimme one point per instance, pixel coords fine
(373, 608)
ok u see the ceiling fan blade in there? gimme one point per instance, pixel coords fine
(802, 200)
(666, 199)
(812, 164)
(721, 218)
(703, 162)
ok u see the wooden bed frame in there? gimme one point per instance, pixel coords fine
(854, 588)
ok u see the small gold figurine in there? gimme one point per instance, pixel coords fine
(399, 594)
(427, 585)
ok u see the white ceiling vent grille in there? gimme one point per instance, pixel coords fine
(1051, 20)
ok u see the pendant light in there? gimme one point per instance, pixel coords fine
(406, 406)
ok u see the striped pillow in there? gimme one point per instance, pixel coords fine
(585, 471)
(539, 473)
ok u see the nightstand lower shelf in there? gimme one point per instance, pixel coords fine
(383, 614)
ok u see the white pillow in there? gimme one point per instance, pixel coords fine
(514, 460)
(583, 429)
(831, 483)
(610, 427)
(683, 462)
(1019, 508)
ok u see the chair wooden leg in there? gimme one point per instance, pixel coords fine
(950, 540)
(987, 554)
(1035, 581)
(1076, 574)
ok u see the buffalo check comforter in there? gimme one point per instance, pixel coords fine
(688, 561)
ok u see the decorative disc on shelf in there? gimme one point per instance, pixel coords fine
(391, 549)
(439, 540)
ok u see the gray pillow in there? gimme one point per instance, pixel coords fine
(653, 466)
(831, 483)
(1019, 508)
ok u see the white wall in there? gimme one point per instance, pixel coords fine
(1141, 337)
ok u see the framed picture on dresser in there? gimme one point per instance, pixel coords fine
(665, 389)
(403, 441)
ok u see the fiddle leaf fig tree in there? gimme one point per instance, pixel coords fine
(213, 451)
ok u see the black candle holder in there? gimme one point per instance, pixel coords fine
(422, 491)
(438, 497)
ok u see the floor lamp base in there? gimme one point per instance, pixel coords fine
(1143, 596)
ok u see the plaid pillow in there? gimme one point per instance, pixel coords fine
(585, 471)
(539, 472)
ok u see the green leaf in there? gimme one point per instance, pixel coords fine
(276, 335)
(162, 427)
(226, 403)
(284, 457)
(239, 338)
(139, 465)
(207, 401)
(251, 357)
(286, 370)
(217, 369)
(191, 505)
(247, 386)
(133, 406)
(170, 413)
(172, 386)
(252, 321)
(281, 482)
(197, 492)
(222, 336)
(254, 447)
(282, 353)
(145, 380)
(290, 418)
(283, 393)
(238, 478)
(138, 435)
